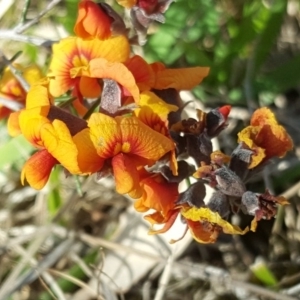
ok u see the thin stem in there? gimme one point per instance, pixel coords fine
(24, 12)
(38, 17)
(15, 72)
(12, 35)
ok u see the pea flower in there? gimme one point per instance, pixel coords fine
(49, 129)
(265, 137)
(92, 21)
(74, 52)
(125, 145)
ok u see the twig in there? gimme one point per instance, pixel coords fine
(75, 281)
(96, 242)
(32, 249)
(222, 277)
(35, 20)
(164, 279)
(24, 12)
(53, 285)
(32, 275)
(45, 277)
(280, 214)
(294, 290)
(15, 72)
(6, 34)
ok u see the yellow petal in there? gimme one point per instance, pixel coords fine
(58, 141)
(127, 3)
(205, 214)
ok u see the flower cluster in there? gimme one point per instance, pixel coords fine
(123, 118)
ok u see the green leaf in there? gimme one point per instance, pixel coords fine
(54, 199)
(269, 34)
(263, 273)
(69, 20)
(16, 149)
(283, 77)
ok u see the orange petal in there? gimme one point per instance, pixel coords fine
(101, 68)
(263, 116)
(180, 79)
(126, 174)
(167, 220)
(203, 233)
(275, 140)
(159, 194)
(37, 169)
(203, 171)
(89, 87)
(13, 126)
(265, 136)
(92, 21)
(142, 72)
(80, 108)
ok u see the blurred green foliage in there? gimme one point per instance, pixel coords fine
(236, 38)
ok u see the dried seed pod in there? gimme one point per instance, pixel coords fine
(219, 203)
(216, 120)
(111, 97)
(240, 160)
(193, 149)
(184, 170)
(250, 203)
(229, 183)
(205, 144)
(194, 195)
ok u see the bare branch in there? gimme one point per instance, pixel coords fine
(22, 28)
(12, 35)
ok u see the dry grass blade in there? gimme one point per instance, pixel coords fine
(76, 282)
(33, 274)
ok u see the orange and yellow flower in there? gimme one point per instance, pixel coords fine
(74, 52)
(92, 21)
(125, 144)
(44, 126)
(11, 89)
(265, 137)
